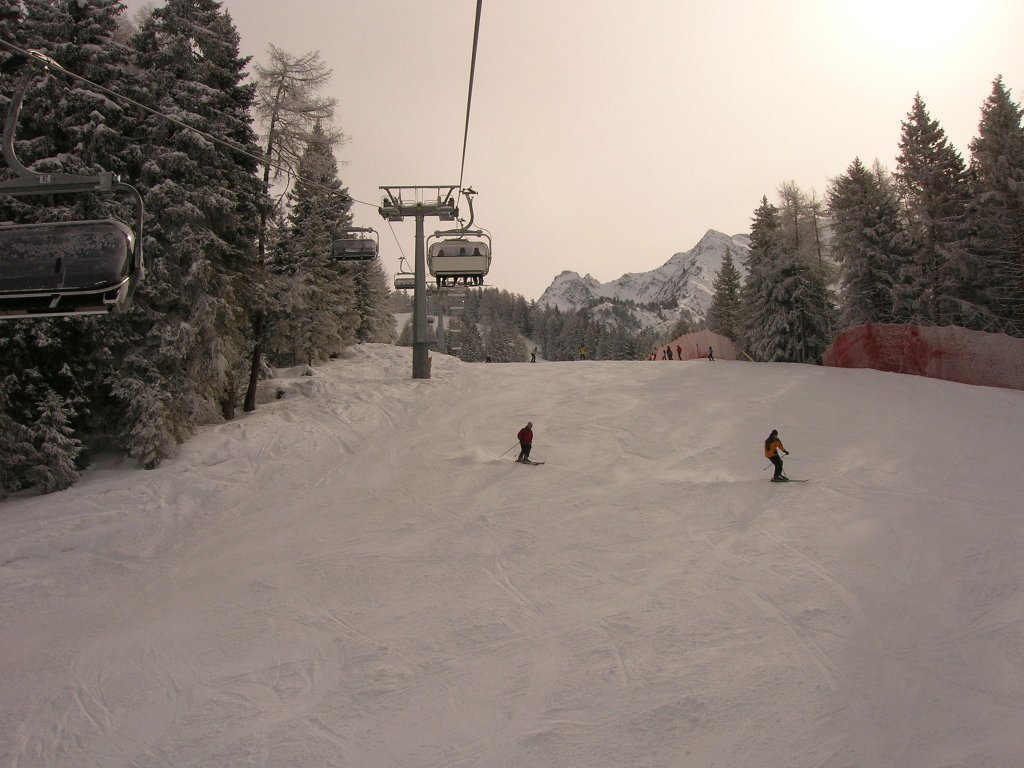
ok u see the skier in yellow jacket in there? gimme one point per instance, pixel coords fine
(772, 446)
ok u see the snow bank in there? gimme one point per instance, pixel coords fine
(949, 352)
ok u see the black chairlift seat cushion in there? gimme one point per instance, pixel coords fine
(59, 257)
(354, 249)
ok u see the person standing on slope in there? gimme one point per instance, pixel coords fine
(772, 446)
(525, 438)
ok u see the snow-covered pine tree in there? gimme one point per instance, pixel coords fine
(371, 294)
(56, 447)
(11, 21)
(66, 127)
(762, 255)
(788, 312)
(17, 454)
(472, 350)
(997, 207)
(793, 308)
(799, 223)
(503, 343)
(203, 202)
(932, 181)
(405, 335)
(868, 242)
(723, 314)
(552, 327)
(152, 432)
(317, 312)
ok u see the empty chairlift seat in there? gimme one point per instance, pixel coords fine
(354, 249)
(405, 281)
(60, 268)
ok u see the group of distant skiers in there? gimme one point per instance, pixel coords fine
(666, 354)
(772, 447)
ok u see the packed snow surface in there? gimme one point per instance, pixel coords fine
(354, 575)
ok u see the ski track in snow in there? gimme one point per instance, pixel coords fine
(354, 576)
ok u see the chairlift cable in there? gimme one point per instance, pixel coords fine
(469, 99)
(215, 139)
(398, 242)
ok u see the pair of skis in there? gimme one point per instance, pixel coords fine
(528, 461)
(788, 480)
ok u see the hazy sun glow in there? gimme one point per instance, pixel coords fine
(913, 24)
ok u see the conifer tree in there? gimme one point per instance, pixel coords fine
(317, 310)
(788, 309)
(472, 350)
(997, 207)
(723, 314)
(405, 335)
(17, 453)
(793, 311)
(203, 203)
(932, 181)
(65, 127)
(11, 21)
(56, 447)
(684, 324)
(868, 243)
(503, 343)
(371, 296)
(762, 254)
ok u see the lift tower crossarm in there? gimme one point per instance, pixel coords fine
(401, 201)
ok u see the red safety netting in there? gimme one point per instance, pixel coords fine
(947, 352)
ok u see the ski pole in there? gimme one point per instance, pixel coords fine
(502, 455)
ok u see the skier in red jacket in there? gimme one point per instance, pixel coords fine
(525, 437)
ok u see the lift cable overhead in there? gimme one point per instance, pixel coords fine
(469, 98)
(53, 65)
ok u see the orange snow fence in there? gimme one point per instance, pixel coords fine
(948, 352)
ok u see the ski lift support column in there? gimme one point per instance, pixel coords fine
(397, 203)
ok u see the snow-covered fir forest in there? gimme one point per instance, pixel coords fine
(239, 276)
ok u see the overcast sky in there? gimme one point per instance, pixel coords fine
(606, 135)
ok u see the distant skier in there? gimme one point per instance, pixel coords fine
(525, 438)
(533, 355)
(679, 352)
(772, 446)
(583, 353)
(711, 354)
(668, 353)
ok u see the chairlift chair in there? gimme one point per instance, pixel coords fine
(359, 244)
(59, 269)
(64, 268)
(459, 256)
(405, 281)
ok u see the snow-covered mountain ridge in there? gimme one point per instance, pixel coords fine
(687, 278)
